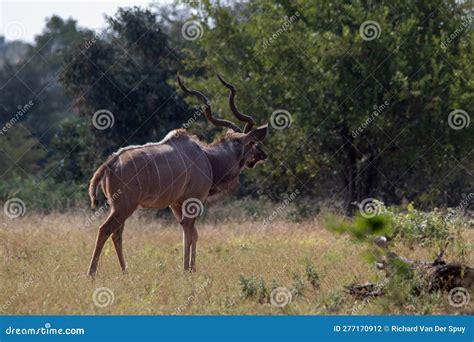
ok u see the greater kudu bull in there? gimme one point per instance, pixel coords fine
(178, 171)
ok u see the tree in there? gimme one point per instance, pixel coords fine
(126, 71)
(369, 111)
(32, 101)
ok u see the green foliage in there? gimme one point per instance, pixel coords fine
(297, 289)
(263, 293)
(411, 226)
(35, 78)
(139, 64)
(74, 158)
(26, 148)
(398, 289)
(312, 276)
(45, 195)
(407, 292)
(330, 79)
(364, 229)
(405, 287)
(332, 300)
(20, 153)
(361, 228)
(252, 288)
(424, 228)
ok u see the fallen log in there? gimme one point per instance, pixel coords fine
(438, 275)
(366, 290)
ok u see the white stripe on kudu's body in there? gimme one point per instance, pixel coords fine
(167, 173)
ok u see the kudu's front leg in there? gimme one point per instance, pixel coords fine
(193, 249)
(189, 237)
(189, 243)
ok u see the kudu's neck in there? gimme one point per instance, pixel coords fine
(225, 161)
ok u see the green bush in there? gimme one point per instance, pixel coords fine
(313, 276)
(424, 228)
(432, 228)
(45, 195)
(253, 288)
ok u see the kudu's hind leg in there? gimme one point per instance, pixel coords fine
(111, 225)
(117, 239)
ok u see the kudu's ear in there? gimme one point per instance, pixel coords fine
(258, 134)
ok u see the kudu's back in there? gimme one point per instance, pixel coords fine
(155, 175)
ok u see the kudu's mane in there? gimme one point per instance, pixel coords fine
(176, 133)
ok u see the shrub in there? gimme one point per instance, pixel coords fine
(45, 195)
(297, 290)
(249, 286)
(312, 276)
(424, 228)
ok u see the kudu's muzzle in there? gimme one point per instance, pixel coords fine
(259, 157)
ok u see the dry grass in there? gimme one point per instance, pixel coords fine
(44, 261)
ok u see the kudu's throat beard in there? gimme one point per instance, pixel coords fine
(226, 169)
(226, 178)
(224, 187)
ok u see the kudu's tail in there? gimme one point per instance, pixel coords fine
(94, 182)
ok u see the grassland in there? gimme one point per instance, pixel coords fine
(44, 259)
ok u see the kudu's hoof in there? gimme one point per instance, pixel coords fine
(91, 274)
